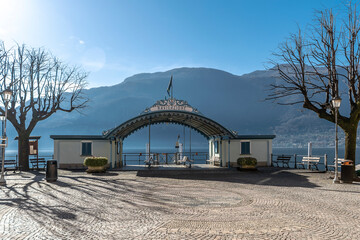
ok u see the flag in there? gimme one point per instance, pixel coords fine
(170, 86)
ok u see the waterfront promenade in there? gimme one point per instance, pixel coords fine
(267, 204)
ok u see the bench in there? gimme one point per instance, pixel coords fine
(284, 159)
(186, 161)
(148, 162)
(37, 162)
(214, 161)
(11, 162)
(311, 161)
(151, 161)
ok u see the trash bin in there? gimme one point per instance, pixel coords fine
(51, 171)
(347, 171)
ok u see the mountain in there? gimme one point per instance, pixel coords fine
(236, 102)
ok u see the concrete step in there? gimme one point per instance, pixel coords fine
(184, 172)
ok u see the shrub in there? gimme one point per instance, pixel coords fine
(247, 161)
(358, 173)
(95, 161)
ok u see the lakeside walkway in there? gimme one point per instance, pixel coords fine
(268, 204)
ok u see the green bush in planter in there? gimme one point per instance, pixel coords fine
(95, 161)
(358, 173)
(247, 161)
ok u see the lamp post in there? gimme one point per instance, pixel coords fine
(6, 95)
(336, 105)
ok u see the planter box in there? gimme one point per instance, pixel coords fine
(96, 164)
(96, 169)
(246, 168)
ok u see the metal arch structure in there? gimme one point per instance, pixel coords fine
(165, 111)
(170, 111)
(205, 126)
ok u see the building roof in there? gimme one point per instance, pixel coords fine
(100, 137)
(255, 137)
(77, 137)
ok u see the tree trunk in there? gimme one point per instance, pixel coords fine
(23, 149)
(350, 144)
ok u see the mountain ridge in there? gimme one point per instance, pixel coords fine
(236, 102)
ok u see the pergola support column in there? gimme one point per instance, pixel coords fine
(120, 161)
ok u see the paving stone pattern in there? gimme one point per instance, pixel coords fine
(268, 204)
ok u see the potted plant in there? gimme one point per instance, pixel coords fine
(96, 164)
(247, 163)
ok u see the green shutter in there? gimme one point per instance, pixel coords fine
(86, 149)
(245, 147)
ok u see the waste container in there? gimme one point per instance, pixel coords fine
(347, 171)
(51, 171)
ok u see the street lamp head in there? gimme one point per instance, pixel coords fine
(7, 94)
(336, 101)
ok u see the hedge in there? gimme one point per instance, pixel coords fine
(247, 161)
(95, 161)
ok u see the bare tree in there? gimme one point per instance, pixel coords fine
(41, 85)
(323, 64)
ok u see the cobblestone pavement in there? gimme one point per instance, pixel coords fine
(267, 204)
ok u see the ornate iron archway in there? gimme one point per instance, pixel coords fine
(166, 111)
(170, 111)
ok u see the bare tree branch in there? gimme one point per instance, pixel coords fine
(41, 85)
(315, 68)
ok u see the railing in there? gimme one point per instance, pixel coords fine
(163, 158)
(32, 164)
(297, 158)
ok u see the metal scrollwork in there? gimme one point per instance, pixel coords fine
(171, 104)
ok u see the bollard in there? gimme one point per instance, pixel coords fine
(51, 171)
(295, 160)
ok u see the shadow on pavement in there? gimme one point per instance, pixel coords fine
(263, 176)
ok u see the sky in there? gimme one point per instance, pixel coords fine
(115, 39)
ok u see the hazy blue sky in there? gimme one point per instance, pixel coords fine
(116, 39)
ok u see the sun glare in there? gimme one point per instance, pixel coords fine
(15, 19)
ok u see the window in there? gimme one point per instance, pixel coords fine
(245, 147)
(86, 148)
(216, 147)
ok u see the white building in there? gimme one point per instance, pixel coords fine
(225, 151)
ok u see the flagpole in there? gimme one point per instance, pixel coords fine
(170, 87)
